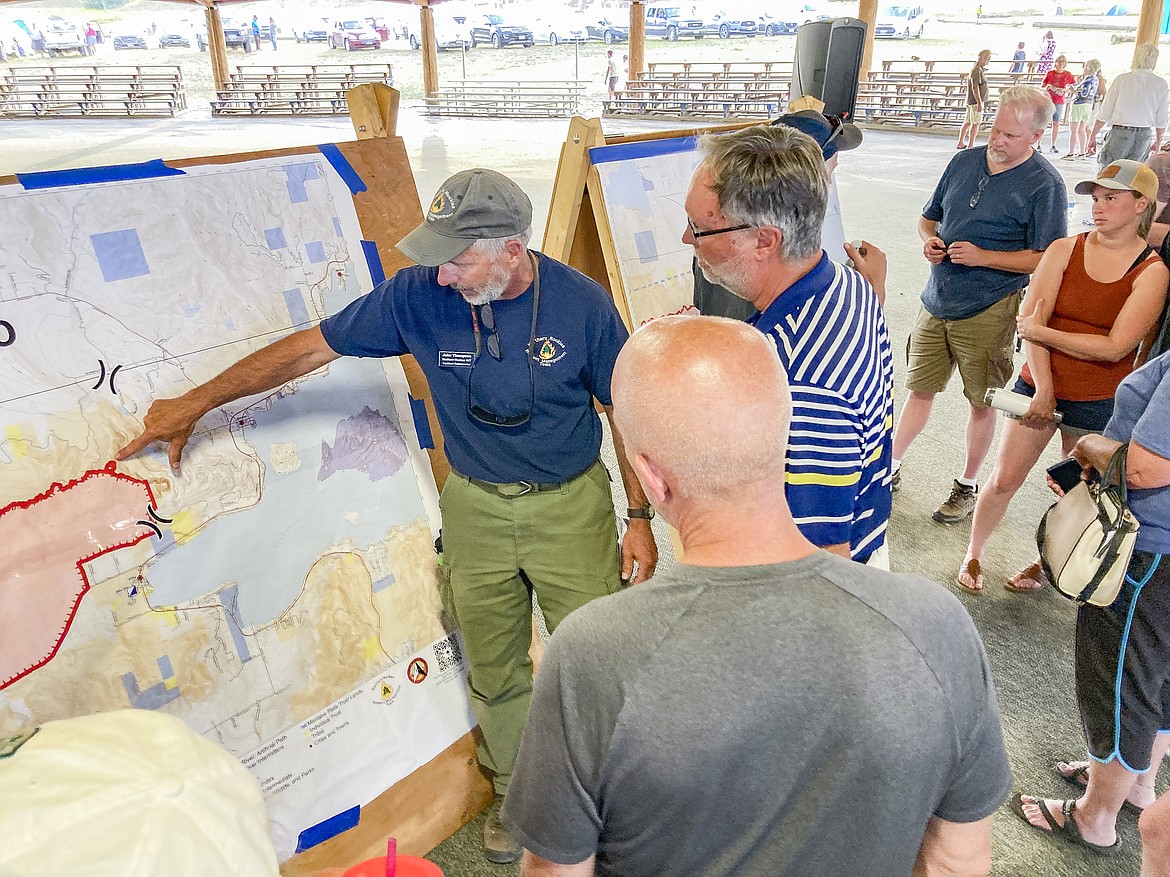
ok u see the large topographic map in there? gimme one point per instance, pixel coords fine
(279, 593)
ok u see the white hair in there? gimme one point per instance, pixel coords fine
(1145, 57)
(493, 248)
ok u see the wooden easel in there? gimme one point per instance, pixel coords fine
(578, 230)
(441, 796)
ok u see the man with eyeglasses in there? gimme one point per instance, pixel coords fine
(755, 209)
(993, 213)
(516, 348)
(833, 135)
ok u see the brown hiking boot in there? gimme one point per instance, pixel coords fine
(498, 845)
(958, 506)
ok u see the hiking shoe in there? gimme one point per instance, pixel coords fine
(499, 846)
(958, 506)
(896, 480)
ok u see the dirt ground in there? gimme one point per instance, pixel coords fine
(945, 39)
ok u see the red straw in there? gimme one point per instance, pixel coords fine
(391, 857)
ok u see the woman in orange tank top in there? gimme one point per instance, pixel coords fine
(1092, 300)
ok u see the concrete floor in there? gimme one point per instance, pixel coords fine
(883, 186)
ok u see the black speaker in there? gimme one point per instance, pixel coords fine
(828, 62)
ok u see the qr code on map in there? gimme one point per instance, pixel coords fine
(447, 653)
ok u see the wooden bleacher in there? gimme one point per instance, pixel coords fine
(295, 89)
(515, 98)
(912, 93)
(90, 91)
(705, 90)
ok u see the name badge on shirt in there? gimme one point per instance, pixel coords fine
(456, 359)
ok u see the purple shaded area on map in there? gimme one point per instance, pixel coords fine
(366, 442)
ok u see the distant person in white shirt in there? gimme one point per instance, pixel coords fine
(1138, 109)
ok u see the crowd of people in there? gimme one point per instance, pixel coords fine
(731, 713)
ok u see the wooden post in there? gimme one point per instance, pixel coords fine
(867, 12)
(1149, 23)
(373, 109)
(638, 38)
(430, 53)
(217, 48)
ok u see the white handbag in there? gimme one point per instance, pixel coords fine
(1086, 539)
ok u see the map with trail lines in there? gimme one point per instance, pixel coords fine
(274, 592)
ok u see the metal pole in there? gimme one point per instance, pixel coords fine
(577, 60)
(463, 52)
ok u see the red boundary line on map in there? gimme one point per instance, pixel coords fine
(110, 469)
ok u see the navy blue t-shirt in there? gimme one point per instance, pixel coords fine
(1020, 209)
(578, 336)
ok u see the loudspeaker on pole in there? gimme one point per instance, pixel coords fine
(828, 62)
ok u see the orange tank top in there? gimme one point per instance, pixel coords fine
(1088, 307)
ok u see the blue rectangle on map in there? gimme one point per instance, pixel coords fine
(331, 827)
(647, 246)
(337, 227)
(315, 250)
(641, 149)
(295, 302)
(87, 176)
(298, 175)
(275, 238)
(119, 254)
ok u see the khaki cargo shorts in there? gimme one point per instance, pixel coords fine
(974, 115)
(980, 346)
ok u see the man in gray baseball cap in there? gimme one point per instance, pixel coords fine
(516, 348)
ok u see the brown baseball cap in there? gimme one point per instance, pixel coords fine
(473, 205)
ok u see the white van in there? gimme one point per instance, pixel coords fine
(900, 23)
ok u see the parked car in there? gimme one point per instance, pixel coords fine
(63, 36)
(900, 23)
(353, 34)
(774, 24)
(379, 26)
(725, 26)
(492, 28)
(170, 40)
(130, 41)
(563, 29)
(312, 31)
(451, 32)
(608, 31)
(669, 23)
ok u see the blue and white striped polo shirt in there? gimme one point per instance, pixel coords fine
(832, 338)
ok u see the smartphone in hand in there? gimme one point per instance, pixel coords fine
(1066, 473)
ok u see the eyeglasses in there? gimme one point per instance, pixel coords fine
(979, 192)
(492, 343)
(488, 319)
(699, 235)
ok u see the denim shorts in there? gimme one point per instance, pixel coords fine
(1081, 416)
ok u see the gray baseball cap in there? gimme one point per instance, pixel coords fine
(471, 206)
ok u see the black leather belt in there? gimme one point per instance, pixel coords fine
(513, 489)
(1134, 127)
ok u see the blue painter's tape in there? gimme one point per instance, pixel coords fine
(343, 167)
(422, 426)
(87, 176)
(641, 149)
(377, 272)
(331, 827)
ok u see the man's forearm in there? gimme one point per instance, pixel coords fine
(534, 866)
(267, 368)
(1016, 261)
(927, 228)
(635, 496)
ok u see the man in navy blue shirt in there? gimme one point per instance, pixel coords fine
(993, 213)
(516, 348)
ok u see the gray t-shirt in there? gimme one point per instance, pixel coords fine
(805, 718)
(1141, 413)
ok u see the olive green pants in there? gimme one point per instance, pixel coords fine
(564, 541)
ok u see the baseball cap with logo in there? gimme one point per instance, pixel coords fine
(831, 133)
(1124, 174)
(471, 206)
(129, 793)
